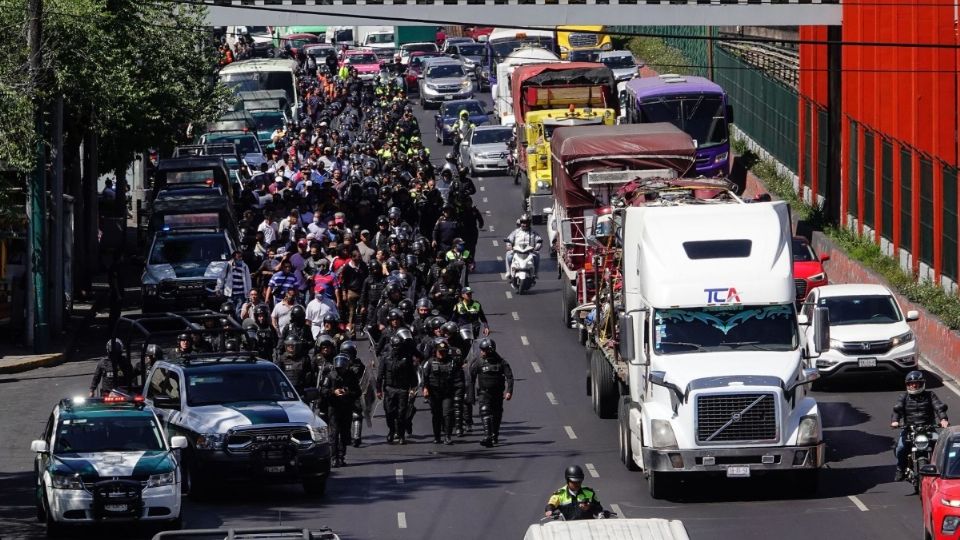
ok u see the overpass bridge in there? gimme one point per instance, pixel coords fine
(514, 13)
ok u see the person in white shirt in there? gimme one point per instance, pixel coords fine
(290, 223)
(317, 309)
(269, 229)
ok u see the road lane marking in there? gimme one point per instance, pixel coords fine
(570, 432)
(515, 315)
(402, 520)
(552, 398)
(491, 228)
(859, 504)
(509, 294)
(499, 258)
(485, 199)
(487, 212)
(536, 367)
(495, 243)
(399, 474)
(943, 377)
(525, 341)
(592, 470)
(616, 509)
(503, 275)
(483, 188)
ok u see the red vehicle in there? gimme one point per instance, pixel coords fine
(808, 272)
(415, 68)
(940, 487)
(297, 41)
(476, 32)
(364, 61)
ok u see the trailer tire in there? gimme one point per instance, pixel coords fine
(605, 391)
(568, 300)
(626, 448)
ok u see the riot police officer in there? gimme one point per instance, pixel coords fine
(491, 381)
(396, 384)
(113, 371)
(359, 370)
(294, 363)
(266, 336)
(443, 386)
(296, 328)
(184, 347)
(340, 389)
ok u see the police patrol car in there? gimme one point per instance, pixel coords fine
(242, 417)
(106, 459)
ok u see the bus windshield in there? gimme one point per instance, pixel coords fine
(249, 81)
(703, 117)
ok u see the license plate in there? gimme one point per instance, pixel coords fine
(867, 362)
(447, 98)
(738, 472)
(275, 469)
(115, 507)
(273, 455)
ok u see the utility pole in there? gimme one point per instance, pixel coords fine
(56, 269)
(36, 305)
(710, 52)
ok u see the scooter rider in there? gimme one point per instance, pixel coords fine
(916, 407)
(524, 235)
(491, 381)
(574, 500)
(469, 311)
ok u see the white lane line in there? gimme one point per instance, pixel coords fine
(495, 243)
(515, 315)
(399, 475)
(525, 341)
(402, 520)
(491, 227)
(570, 432)
(536, 367)
(616, 509)
(483, 188)
(592, 470)
(552, 398)
(509, 294)
(943, 377)
(487, 212)
(485, 199)
(503, 275)
(859, 504)
(499, 258)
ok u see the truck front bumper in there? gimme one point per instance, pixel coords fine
(759, 459)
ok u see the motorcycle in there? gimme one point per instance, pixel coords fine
(920, 440)
(521, 268)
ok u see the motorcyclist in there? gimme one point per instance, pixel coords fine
(340, 388)
(574, 500)
(491, 382)
(113, 371)
(461, 129)
(916, 407)
(524, 235)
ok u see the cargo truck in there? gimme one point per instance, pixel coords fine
(548, 96)
(695, 343)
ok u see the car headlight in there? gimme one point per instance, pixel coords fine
(836, 344)
(164, 479)
(950, 502)
(906, 337)
(818, 277)
(66, 481)
(721, 157)
(663, 436)
(430, 86)
(210, 441)
(320, 434)
(807, 432)
(466, 85)
(150, 289)
(606, 46)
(922, 442)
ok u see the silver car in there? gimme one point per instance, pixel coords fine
(442, 80)
(622, 63)
(486, 149)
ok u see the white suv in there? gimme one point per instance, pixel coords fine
(868, 331)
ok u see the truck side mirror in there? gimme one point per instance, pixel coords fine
(929, 470)
(310, 394)
(807, 376)
(821, 329)
(626, 344)
(566, 232)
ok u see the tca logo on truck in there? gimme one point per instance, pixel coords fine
(722, 295)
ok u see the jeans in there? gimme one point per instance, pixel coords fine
(901, 451)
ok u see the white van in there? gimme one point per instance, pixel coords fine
(264, 74)
(608, 529)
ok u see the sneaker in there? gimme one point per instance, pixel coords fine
(448, 441)
(391, 438)
(459, 432)
(336, 463)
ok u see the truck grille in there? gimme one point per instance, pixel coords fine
(736, 417)
(249, 439)
(860, 348)
(583, 40)
(801, 288)
(448, 88)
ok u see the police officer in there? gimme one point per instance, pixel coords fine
(443, 386)
(113, 371)
(469, 311)
(359, 370)
(294, 363)
(341, 388)
(394, 295)
(184, 347)
(422, 318)
(394, 323)
(266, 336)
(396, 384)
(491, 381)
(150, 357)
(296, 328)
(326, 351)
(574, 500)
(331, 327)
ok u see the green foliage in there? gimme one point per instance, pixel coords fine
(659, 56)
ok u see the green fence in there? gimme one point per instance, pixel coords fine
(695, 50)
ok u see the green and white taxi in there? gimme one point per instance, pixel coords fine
(106, 459)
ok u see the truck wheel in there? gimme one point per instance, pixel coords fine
(807, 482)
(315, 487)
(659, 484)
(604, 386)
(568, 300)
(582, 336)
(525, 189)
(626, 448)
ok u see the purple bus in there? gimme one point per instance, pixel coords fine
(696, 105)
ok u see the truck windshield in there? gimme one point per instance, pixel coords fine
(189, 249)
(725, 328)
(703, 117)
(108, 434)
(238, 386)
(248, 81)
(379, 38)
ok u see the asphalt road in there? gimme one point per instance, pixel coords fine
(466, 491)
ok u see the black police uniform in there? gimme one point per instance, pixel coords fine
(445, 382)
(296, 367)
(340, 408)
(490, 378)
(396, 377)
(300, 332)
(111, 375)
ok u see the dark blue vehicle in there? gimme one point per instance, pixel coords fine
(448, 113)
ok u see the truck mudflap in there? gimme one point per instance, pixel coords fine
(735, 462)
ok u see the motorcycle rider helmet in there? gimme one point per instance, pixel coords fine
(297, 315)
(349, 348)
(464, 114)
(341, 361)
(523, 220)
(450, 156)
(916, 382)
(574, 474)
(488, 345)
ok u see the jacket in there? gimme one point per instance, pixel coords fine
(226, 279)
(924, 408)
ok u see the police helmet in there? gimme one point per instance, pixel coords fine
(393, 265)
(424, 303)
(435, 323)
(290, 340)
(341, 361)
(182, 337)
(382, 220)
(115, 346)
(349, 348)
(324, 340)
(226, 308)
(393, 287)
(298, 315)
(261, 310)
(232, 345)
(406, 306)
(394, 315)
(450, 328)
(331, 318)
(404, 334)
(916, 382)
(574, 474)
(488, 345)
(154, 352)
(394, 212)
(441, 344)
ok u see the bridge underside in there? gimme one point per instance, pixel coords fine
(511, 13)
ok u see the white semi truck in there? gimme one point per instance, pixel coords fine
(694, 339)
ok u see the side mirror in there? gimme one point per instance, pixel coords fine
(929, 470)
(311, 394)
(807, 376)
(166, 402)
(730, 114)
(824, 258)
(658, 378)
(566, 232)
(913, 315)
(178, 441)
(38, 446)
(419, 75)
(821, 329)
(626, 346)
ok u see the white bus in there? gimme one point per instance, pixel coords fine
(264, 74)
